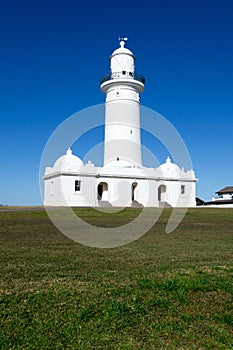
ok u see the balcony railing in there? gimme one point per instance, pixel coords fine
(122, 75)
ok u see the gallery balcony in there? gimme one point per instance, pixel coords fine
(122, 75)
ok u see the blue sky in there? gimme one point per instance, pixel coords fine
(54, 52)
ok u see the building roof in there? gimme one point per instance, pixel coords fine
(228, 189)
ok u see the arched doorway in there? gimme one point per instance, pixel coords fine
(102, 191)
(162, 193)
(134, 185)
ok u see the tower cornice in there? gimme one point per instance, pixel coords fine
(136, 84)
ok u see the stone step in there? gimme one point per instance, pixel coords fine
(164, 205)
(136, 204)
(105, 204)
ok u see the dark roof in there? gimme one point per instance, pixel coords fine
(228, 189)
(199, 201)
(222, 201)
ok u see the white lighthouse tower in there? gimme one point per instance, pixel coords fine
(122, 87)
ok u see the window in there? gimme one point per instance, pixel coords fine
(182, 189)
(51, 188)
(77, 185)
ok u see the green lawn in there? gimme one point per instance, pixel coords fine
(163, 291)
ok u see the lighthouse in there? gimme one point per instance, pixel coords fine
(122, 87)
(122, 181)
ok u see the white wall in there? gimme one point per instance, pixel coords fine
(60, 191)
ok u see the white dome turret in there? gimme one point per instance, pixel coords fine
(68, 162)
(170, 169)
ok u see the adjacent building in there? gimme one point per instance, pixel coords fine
(224, 197)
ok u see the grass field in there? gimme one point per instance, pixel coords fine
(163, 291)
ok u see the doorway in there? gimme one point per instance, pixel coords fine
(102, 191)
(162, 193)
(134, 185)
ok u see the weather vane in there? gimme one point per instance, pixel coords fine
(122, 38)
